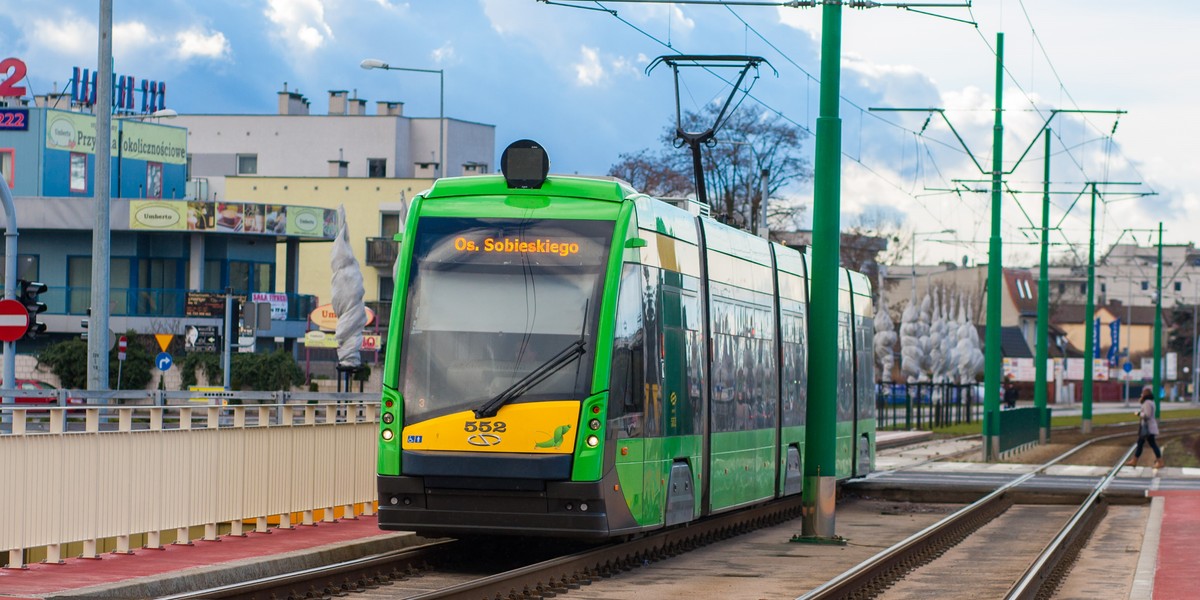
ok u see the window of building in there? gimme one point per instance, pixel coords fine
(27, 267)
(246, 277)
(7, 166)
(1062, 288)
(1103, 287)
(387, 287)
(247, 164)
(154, 176)
(79, 164)
(425, 170)
(389, 225)
(474, 169)
(1179, 286)
(376, 167)
(1083, 288)
(1145, 285)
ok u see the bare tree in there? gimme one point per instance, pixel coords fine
(748, 142)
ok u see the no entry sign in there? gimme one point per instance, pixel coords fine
(14, 320)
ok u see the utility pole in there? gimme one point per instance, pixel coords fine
(1158, 389)
(820, 476)
(1089, 315)
(1042, 354)
(97, 356)
(992, 356)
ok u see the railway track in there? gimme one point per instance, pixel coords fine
(437, 570)
(997, 523)
(1007, 551)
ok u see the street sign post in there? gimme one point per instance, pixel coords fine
(14, 320)
(122, 344)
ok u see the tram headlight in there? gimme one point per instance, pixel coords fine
(388, 435)
(388, 418)
(593, 441)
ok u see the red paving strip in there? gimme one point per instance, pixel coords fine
(1176, 575)
(41, 579)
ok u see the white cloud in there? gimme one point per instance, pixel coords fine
(301, 23)
(197, 42)
(131, 38)
(69, 34)
(589, 71)
(444, 54)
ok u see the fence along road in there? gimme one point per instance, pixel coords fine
(111, 465)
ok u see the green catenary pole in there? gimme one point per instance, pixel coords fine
(1043, 354)
(991, 369)
(1089, 315)
(1158, 331)
(819, 444)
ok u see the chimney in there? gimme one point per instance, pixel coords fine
(292, 103)
(390, 109)
(337, 102)
(338, 168)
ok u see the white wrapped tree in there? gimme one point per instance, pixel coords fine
(348, 292)
(885, 340)
(924, 322)
(910, 344)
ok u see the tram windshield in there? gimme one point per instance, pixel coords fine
(491, 300)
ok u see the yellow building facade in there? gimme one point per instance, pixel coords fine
(374, 210)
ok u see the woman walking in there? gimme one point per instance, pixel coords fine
(1147, 430)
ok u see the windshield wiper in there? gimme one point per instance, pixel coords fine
(536, 376)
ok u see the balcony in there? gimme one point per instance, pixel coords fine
(150, 302)
(381, 252)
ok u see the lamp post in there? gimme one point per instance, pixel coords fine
(165, 113)
(374, 63)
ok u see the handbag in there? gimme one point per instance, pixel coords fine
(1143, 428)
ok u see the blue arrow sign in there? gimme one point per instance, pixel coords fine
(163, 360)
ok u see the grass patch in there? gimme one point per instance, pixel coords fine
(1074, 421)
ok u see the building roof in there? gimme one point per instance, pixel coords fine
(1133, 315)
(1012, 342)
(1022, 289)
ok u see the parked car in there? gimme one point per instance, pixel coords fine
(34, 384)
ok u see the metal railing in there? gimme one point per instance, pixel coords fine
(927, 405)
(382, 252)
(150, 302)
(103, 466)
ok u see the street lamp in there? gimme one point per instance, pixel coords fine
(164, 113)
(914, 256)
(374, 63)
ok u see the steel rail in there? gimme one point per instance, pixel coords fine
(369, 569)
(1044, 575)
(557, 576)
(923, 546)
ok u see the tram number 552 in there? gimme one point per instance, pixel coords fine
(485, 426)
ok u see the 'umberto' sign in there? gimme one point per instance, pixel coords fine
(76, 132)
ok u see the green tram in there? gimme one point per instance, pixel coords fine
(568, 357)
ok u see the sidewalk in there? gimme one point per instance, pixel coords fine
(181, 568)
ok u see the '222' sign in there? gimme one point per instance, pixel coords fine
(12, 70)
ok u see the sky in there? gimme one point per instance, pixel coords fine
(574, 78)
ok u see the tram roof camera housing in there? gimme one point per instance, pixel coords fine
(525, 165)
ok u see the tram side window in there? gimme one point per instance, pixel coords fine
(845, 403)
(866, 368)
(626, 395)
(794, 370)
